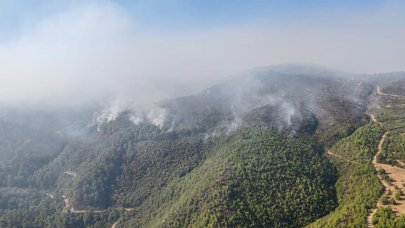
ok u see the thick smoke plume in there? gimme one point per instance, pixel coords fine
(96, 52)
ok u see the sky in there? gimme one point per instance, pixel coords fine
(187, 14)
(76, 52)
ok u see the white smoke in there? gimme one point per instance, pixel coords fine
(157, 116)
(96, 52)
(136, 119)
(288, 112)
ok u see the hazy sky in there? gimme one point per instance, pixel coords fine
(73, 52)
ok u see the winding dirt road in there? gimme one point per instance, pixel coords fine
(386, 186)
(397, 174)
(379, 92)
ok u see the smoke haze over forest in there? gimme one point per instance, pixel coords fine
(102, 51)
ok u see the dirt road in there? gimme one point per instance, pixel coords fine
(372, 117)
(379, 92)
(397, 174)
(69, 207)
(340, 157)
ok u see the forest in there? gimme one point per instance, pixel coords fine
(206, 167)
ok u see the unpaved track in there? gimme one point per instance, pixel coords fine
(397, 174)
(379, 92)
(386, 186)
(372, 117)
(127, 209)
(69, 207)
(340, 157)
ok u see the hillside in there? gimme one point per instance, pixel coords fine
(246, 180)
(248, 152)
